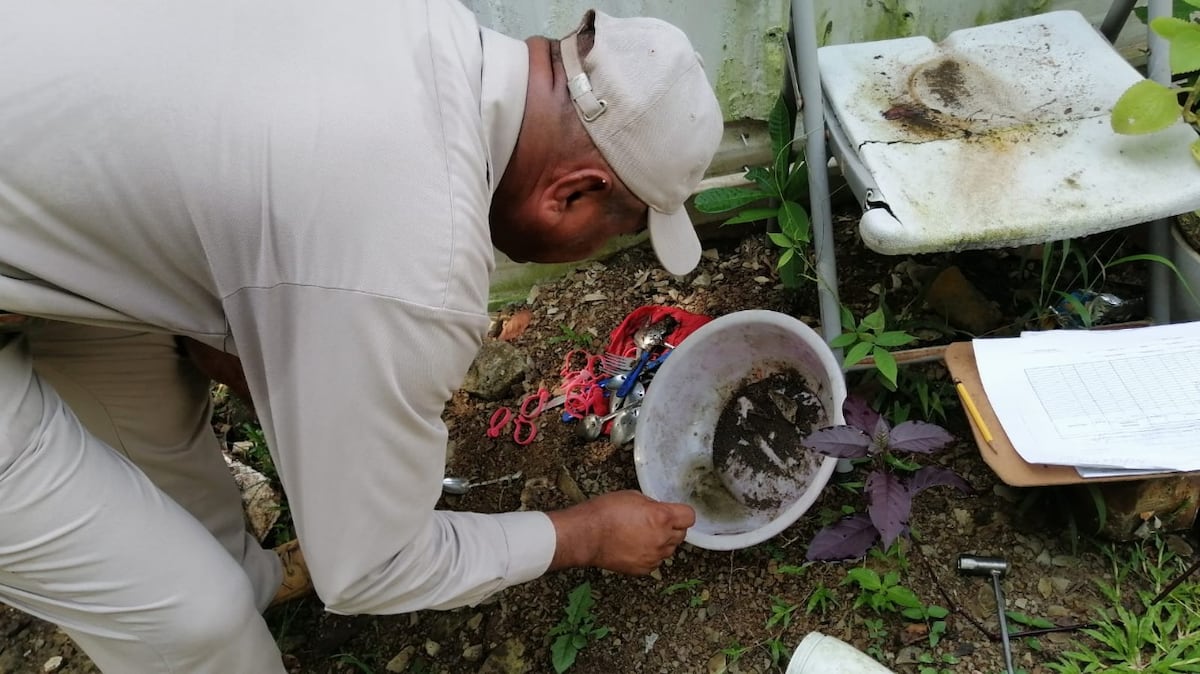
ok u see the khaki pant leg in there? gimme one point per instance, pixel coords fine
(137, 394)
(89, 542)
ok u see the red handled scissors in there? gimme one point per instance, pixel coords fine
(524, 430)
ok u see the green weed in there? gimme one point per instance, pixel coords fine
(575, 631)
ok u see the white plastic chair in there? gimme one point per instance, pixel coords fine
(997, 136)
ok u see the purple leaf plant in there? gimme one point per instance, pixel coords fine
(867, 434)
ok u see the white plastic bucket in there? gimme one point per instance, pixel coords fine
(822, 654)
(679, 415)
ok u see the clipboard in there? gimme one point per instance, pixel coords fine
(999, 454)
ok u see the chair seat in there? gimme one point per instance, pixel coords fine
(997, 136)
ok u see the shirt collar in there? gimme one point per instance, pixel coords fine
(505, 80)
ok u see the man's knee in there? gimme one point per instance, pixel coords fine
(208, 616)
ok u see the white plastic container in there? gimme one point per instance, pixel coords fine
(822, 654)
(674, 443)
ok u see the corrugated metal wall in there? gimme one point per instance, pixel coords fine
(743, 41)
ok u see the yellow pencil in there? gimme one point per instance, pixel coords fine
(974, 412)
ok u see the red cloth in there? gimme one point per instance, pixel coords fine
(621, 338)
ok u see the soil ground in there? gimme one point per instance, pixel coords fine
(706, 611)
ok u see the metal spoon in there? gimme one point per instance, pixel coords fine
(624, 426)
(591, 425)
(646, 339)
(461, 485)
(655, 334)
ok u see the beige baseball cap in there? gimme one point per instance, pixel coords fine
(644, 99)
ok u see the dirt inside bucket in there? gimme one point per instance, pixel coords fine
(758, 463)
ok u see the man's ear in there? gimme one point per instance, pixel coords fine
(568, 190)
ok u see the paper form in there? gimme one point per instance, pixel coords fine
(1100, 399)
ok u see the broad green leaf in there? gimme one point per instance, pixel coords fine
(1193, 3)
(752, 215)
(894, 338)
(759, 175)
(779, 128)
(1145, 107)
(847, 318)
(936, 612)
(1185, 51)
(855, 354)
(721, 199)
(562, 653)
(1170, 26)
(874, 321)
(793, 220)
(780, 239)
(902, 596)
(786, 258)
(779, 125)
(885, 362)
(796, 188)
(843, 340)
(866, 578)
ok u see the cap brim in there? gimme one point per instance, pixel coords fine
(675, 241)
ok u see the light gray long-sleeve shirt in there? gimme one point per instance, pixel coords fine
(305, 184)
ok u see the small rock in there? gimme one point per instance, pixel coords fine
(432, 648)
(1059, 638)
(53, 664)
(497, 368)
(651, 639)
(656, 575)
(961, 303)
(473, 652)
(568, 486)
(702, 280)
(1045, 587)
(593, 297)
(508, 658)
(1060, 584)
(963, 517)
(475, 621)
(400, 662)
(1056, 611)
(710, 254)
(718, 664)
(1179, 545)
(260, 501)
(909, 655)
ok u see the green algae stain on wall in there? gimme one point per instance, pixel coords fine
(747, 88)
(1006, 11)
(752, 71)
(889, 18)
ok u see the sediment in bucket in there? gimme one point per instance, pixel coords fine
(674, 446)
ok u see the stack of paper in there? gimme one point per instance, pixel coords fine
(1106, 402)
